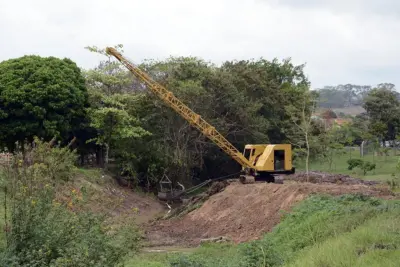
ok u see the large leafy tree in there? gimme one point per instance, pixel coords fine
(110, 117)
(270, 86)
(181, 147)
(110, 76)
(383, 109)
(42, 97)
(112, 113)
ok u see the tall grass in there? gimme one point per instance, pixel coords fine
(2, 223)
(312, 222)
(376, 243)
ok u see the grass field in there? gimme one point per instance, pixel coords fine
(385, 165)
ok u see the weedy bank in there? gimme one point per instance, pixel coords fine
(47, 225)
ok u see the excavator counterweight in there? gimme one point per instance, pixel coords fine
(259, 162)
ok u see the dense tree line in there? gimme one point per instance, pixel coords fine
(114, 117)
(247, 101)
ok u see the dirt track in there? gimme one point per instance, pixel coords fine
(245, 212)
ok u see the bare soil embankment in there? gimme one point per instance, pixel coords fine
(244, 212)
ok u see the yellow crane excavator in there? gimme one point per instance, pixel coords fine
(260, 162)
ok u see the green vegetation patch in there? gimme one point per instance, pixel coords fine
(48, 229)
(2, 223)
(311, 223)
(386, 166)
(376, 243)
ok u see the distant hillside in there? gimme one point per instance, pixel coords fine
(342, 96)
(347, 98)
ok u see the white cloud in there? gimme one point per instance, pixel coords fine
(366, 7)
(341, 44)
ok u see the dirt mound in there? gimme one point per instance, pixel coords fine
(244, 212)
(322, 177)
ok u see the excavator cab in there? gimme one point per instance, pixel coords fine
(269, 160)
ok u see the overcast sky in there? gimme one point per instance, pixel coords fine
(340, 41)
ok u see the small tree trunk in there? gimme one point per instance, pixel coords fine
(23, 150)
(82, 159)
(107, 149)
(5, 214)
(307, 157)
(98, 156)
(331, 159)
(373, 156)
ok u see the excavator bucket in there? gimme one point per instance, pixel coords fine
(167, 193)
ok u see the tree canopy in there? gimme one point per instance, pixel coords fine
(383, 109)
(249, 101)
(42, 97)
(245, 100)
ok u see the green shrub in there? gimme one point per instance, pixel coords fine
(48, 227)
(365, 166)
(260, 253)
(394, 182)
(353, 163)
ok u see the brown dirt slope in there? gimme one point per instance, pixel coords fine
(244, 212)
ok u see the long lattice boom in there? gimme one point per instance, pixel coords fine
(192, 117)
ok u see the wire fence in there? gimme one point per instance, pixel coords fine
(377, 149)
